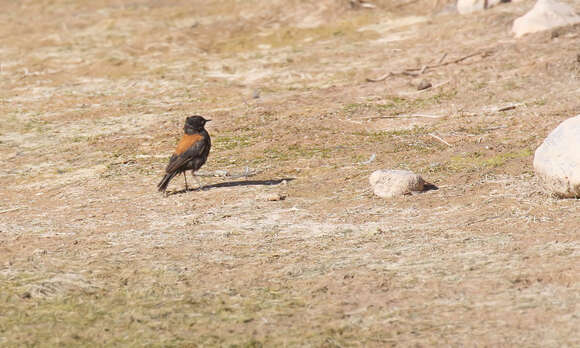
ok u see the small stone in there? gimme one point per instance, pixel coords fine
(557, 160)
(424, 84)
(271, 197)
(391, 183)
(26, 295)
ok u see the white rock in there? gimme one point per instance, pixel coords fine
(546, 14)
(390, 183)
(557, 160)
(468, 6)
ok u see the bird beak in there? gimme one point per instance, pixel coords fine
(207, 120)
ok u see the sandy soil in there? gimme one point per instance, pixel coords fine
(92, 100)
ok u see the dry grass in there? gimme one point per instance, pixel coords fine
(93, 96)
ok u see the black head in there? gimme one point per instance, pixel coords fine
(194, 124)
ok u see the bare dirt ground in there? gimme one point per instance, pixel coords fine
(92, 101)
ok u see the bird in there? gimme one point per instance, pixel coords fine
(191, 151)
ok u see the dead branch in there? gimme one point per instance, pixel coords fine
(442, 58)
(390, 74)
(455, 61)
(10, 210)
(403, 116)
(505, 107)
(424, 68)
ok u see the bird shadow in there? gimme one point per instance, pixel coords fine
(429, 187)
(271, 182)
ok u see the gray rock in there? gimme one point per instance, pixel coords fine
(557, 160)
(391, 183)
(546, 14)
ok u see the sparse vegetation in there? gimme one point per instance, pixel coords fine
(92, 99)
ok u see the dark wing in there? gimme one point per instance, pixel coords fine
(189, 147)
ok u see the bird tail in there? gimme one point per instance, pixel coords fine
(162, 186)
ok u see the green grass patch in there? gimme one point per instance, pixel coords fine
(395, 105)
(476, 160)
(231, 142)
(401, 140)
(297, 151)
(391, 134)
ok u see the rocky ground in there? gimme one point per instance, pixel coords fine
(92, 101)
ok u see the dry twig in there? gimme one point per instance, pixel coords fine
(10, 210)
(370, 160)
(403, 116)
(505, 107)
(386, 76)
(440, 139)
(424, 68)
(455, 61)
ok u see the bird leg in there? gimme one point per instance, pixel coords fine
(198, 179)
(185, 177)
